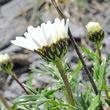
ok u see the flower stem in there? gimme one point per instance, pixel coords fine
(60, 67)
(100, 61)
(5, 102)
(77, 49)
(15, 78)
(78, 52)
(99, 52)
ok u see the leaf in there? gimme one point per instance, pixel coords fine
(89, 52)
(52, 70)
(23, 107)
(41, 100)
(60, 104)
(37, 71)
(102, 68)
(25, 99)
(78, 68)
(102, 74)
(80, 101)
(14, 107)
(108, 57)
(95, 103)
(30, 80)
(50, 92)
(107, 101)
(96, 70)
(30, 89)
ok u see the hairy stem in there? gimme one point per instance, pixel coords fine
(99, 52)
(66, 82)
(5, 102)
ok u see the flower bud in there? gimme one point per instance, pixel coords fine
(94, 32)
(6, 63)
(55, 52)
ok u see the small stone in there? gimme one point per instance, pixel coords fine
(77, 31)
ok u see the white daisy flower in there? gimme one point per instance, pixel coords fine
(49, 40)
(6, 63)
(95, 32)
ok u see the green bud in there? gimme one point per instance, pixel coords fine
(55, 51)
(6, 63)
(94, 32)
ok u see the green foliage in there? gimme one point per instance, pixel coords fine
(107, 101)
(95, 103)
(46, 97)
(89, 52)
(99, 72)
(51, 70)
(29, 82)
(78, 68)
(102, 74)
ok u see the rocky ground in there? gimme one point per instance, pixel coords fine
(15, 16)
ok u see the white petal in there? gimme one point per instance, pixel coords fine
(29, 38)
(45, 35)
(25, 43)
(41, 36)
(36, 35)
(66, 28)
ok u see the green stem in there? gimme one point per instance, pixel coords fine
(78, 52)
(99, 52)
(5, 102)
(100, 61)
(66, 82)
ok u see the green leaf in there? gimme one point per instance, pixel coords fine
(78, 68)
(107, 101)
(60, 104)
(102, 74)
(80, 101)
(30, 80)
(30, 89)
(95, 103)
(50, 92)
(25, 99)
(23, 107)
(41, 100)
(108, 57)
(102, 68)
(30, 100)
(89, 52)
(37, 71)
(52, 70)
(14, 107)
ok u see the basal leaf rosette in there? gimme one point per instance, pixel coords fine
(94, 32)
(6, 63)
(48, 40)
